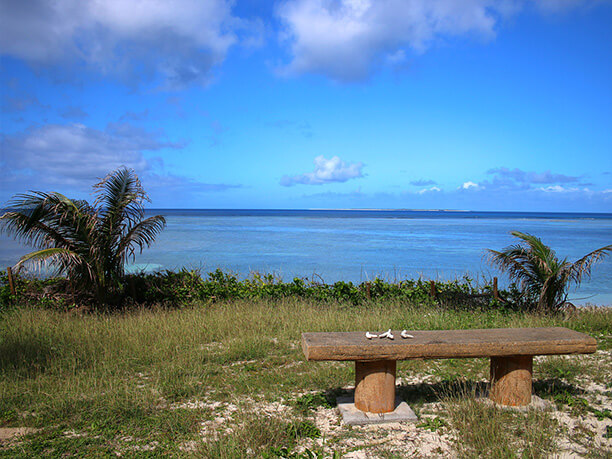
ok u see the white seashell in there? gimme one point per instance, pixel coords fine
(386, 334)
(370, 335)
(405, 334)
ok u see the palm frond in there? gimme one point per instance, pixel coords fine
(583, 266)
(120, 198)
(60, 257)
(516, 261)
(540, 273)
(140, 235)
(539, 254)
(42, 219)
(120, 195)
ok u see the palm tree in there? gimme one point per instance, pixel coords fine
(541, 275)
(90, 244)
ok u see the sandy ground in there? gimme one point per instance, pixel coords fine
(581, 434)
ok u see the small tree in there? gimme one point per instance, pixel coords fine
(542, 277)
(90, 244)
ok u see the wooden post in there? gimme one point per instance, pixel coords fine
(432, 289)
(9, 271)
(495, 292)
(375, 386)
(511, 380)
(368, 294)
(132, 288)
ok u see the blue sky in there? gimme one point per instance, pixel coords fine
(418, 104)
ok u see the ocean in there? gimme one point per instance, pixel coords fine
(359, 245)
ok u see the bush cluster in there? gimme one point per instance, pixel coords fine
(179, 288)
(186, 286)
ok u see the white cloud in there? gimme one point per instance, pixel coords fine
(344, 39)
(71, 158)
(469, 185)
(429, 190)
(326, 171)
(179, 41)
(559, 189)
(74, 154)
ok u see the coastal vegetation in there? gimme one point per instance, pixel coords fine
(178, 289)
(543, 278)
(89, 244)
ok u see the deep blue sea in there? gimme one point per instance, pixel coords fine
(358, 245)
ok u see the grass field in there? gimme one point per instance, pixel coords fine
(229, 380)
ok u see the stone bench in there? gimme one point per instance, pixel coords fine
(511, 351)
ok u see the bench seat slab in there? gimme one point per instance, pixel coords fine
(441, 344)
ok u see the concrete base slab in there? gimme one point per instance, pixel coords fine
(354, 417)
(537, 403)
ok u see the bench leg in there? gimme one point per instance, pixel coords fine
(511, 380)
(375, 386)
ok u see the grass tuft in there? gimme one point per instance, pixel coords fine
(147, 381)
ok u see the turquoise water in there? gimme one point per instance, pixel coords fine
(360, 245)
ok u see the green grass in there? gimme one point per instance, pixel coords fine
(490, 431)
(100, 384)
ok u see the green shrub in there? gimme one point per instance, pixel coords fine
(183, 287)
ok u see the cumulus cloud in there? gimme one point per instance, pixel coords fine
(559, 189)
(346, 39)
(179, 41)
(518, 189)
(75, 155)
(431, 189)
(326, 171)
(422, 182)
(469, 185)
(508, 180)
(70, 158)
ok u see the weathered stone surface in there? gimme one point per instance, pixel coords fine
(537, 403)
(355, 417)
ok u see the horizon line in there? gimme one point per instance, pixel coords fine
(377, 210)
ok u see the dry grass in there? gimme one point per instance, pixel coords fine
(148, 382)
